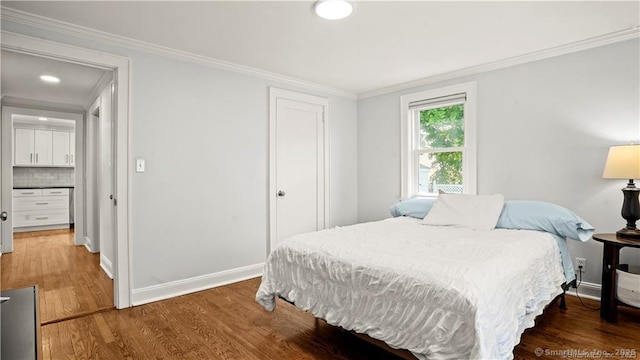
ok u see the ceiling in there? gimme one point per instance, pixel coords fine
(21, 79)
(383, 43)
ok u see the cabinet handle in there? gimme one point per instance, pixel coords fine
(72, 158)
(45, 203)
(66, 159)
(56, 192)
(30, 158)
(42, 218)
(27, 193)
(36, 158)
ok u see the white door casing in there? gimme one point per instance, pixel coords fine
(298, 166)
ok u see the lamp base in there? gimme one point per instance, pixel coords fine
(629, 233)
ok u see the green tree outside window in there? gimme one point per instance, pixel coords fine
(440, 128)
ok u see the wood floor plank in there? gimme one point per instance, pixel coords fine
(69, 278)
(226, 323)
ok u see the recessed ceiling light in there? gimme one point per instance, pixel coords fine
(333, 9)
(43, 119)
(49, 78)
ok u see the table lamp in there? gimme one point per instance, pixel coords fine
(623, 162)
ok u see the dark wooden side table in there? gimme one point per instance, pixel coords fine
(610, 259)
(21, 325)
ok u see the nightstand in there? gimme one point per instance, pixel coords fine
(610, 259)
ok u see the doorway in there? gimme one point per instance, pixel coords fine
(33, 135)
(120, 68)
(299, 159)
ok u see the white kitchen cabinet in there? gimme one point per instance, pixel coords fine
(44, 148)
(72, 149)
(38, 208)
(24, 146)
(60, 143)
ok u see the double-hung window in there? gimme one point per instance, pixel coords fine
(438, 141)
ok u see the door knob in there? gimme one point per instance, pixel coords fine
(3, 216)
(281, 193)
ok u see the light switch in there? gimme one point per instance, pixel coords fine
(139, 165)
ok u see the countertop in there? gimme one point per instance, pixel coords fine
(45, 187)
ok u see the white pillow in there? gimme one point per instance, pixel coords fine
(466, 211)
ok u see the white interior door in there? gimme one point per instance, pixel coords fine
(3, 219)
(105, 183)
(3, 206)
(298, 164)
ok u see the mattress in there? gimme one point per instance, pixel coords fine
(439, 292)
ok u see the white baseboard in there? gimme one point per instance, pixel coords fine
(40, 228)
(587, 290)
(106, 266)
(181, 287)
(89, 245)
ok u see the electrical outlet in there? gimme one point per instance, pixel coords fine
(581, 262)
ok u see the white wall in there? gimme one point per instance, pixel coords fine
(544, 129)
(201, 206)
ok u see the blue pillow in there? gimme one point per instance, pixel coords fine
(516, 214)
(416, 207)
(544, 216)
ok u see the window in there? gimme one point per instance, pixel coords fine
(438, 141)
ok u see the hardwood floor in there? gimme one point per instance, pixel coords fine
(226, 323)
(70, 281)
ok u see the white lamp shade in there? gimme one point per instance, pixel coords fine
(623, 162)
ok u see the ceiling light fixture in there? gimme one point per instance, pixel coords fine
(333, 9)
(43, 119)
(49, 79)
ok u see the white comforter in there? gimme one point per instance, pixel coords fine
(440, 292)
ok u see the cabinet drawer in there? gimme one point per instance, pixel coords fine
(40, 202)
(40, 217)
(54, 192)
(27, 192)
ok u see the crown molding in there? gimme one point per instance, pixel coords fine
(41, 22)
(45, 23)
(594, 42)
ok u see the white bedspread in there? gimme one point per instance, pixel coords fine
(440, 292)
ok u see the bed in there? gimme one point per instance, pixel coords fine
(440, 292)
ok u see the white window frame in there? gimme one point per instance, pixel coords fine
(409, 138)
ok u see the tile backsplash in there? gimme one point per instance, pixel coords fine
(43, 176)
